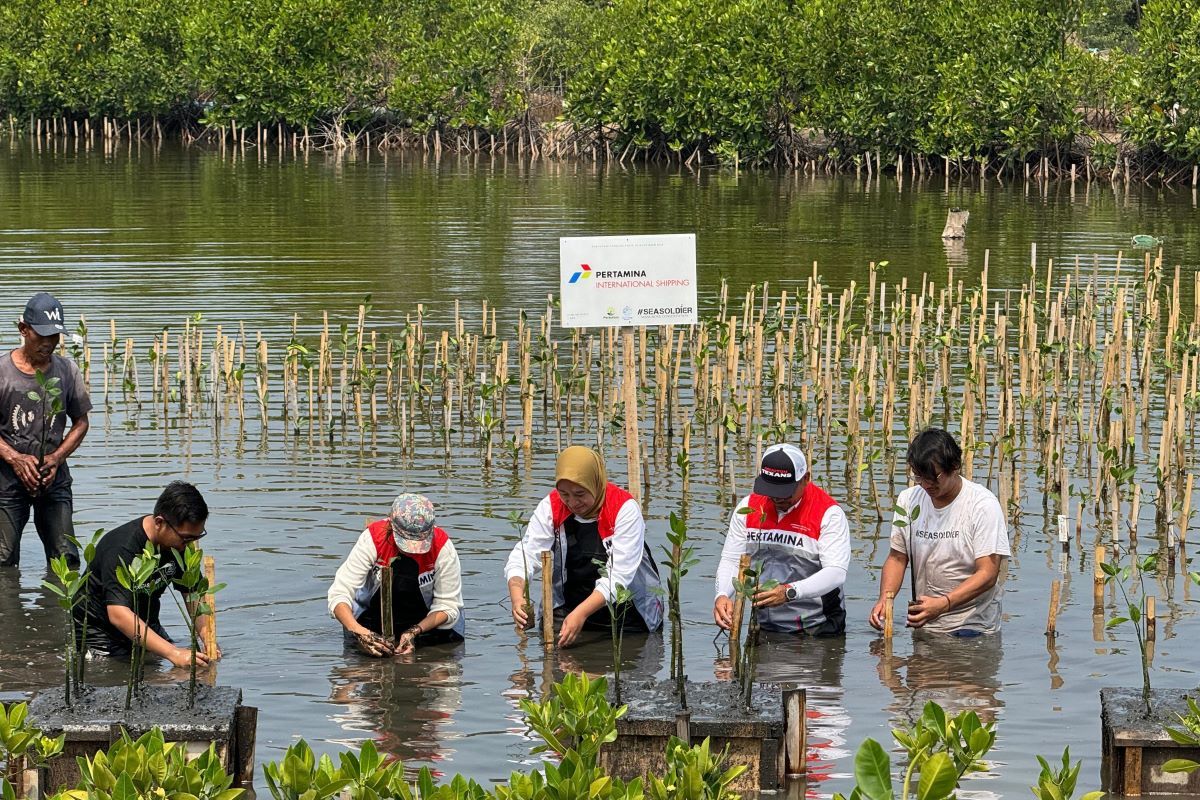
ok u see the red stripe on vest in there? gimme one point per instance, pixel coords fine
(805, 518)
(606, 523)
(386, 549)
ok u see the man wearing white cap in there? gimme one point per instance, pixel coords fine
(800, 537)
(39, 392)
(427, 597)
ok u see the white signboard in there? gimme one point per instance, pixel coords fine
(608, 281)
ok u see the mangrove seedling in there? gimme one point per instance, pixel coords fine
(680, 559)
(1135, 611)
(68, 593)
(575, 716)
(964, 738)
(520, 523)
(194, 582)
(618, 603)
(904, 519)
(301, 776)
(49, 396)
(694, 773)
(746, 588)
(942, 750)
(1059, 784)
(137, 577)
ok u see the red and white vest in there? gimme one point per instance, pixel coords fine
(645, 580)
(386, 550)
(788, 548)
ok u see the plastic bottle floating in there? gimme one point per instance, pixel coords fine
(1146, 240)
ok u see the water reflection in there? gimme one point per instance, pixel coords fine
(31, 622)
(404, 703)
(957, 674)
(816, 664)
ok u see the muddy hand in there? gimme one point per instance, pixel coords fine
(373, 644)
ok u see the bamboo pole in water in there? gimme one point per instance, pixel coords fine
(210, 639)
(548, 599)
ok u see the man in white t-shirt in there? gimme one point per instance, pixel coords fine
(954, 533)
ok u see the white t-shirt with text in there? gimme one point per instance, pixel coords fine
(944, 544)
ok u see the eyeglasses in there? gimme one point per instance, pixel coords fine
(184, 538)
(921, 480)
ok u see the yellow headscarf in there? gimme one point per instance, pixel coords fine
(584, 466)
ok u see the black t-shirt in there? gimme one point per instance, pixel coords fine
(122, 545)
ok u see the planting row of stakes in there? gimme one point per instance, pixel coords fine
(1055, 388)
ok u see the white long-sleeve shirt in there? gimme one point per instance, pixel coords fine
(629, 564)
(626, 547)
(832, 556)
(357, 580)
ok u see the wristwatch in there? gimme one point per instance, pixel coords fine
(790, 592)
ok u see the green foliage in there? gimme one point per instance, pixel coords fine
(21, 743)
(680, 74)
(941, 749)
(115, 57)
(739, 81)
(454, 63)
(301, 776)
(150, 767)
(295, 61)
(963, 739)
(694, 773)
(576, 716)
(1164, 87)
(1059, 784)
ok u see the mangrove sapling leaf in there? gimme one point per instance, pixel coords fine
(873, 771)
(938, 778)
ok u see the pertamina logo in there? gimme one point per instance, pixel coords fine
(584, 272)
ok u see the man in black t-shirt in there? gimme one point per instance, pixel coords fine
(111, 611)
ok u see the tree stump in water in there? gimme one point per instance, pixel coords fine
(956, 224)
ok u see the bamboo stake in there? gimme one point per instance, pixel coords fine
(207, 624)
(548, 599)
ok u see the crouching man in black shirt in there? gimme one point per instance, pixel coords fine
(178, 520)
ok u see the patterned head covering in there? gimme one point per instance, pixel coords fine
(412, 523)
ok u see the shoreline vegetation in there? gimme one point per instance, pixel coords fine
(1084, 89)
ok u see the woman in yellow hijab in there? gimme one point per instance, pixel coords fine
(584, 520)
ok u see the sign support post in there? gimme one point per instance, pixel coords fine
(632, 439)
